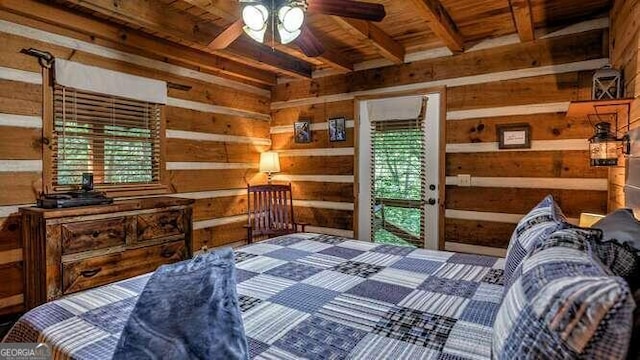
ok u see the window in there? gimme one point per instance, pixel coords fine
(398, 181)
(115, 138)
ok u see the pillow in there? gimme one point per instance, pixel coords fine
(188, 310)
(564, 305)
(622, 226)
(537, 225)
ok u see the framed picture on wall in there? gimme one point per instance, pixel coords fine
(514, 136)
(337, 129)
(302, 132)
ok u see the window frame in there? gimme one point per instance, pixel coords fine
(48, 153)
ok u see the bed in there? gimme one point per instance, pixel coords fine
(313, 296)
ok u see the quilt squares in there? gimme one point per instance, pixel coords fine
(304, 297)
(328, 239)
(341, 252)
(375, 258)
(405, 278)
(394, 250)
(310, 246)
(112, 317)
(468, 341)
(263, 286)
(333, 280)
(459, 288)
(321, 260)
(480, 312)
(294, 271)
(435, 303)
(377, 290)
(240, 256)
(417, 265)
(247, 303)
(268, 322)
(288, 254)
(357, 269)
(378, 347)
(478, 260)
(355, 311)
(416, 327)
(260, 264)
(461, 272)
(261, 248)
(494, 276)
(318, 338)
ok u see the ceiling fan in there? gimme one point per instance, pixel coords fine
(286, 21)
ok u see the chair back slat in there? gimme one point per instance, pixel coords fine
(270, 210)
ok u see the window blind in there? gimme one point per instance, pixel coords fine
(116, 139)
(398, 182)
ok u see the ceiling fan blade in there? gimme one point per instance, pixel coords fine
(309, 43)
(229, 35)
(348, 8)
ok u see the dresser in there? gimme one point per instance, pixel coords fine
(73, 249)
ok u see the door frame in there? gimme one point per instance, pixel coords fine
(442, 91)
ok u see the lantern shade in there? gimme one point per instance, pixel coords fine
(607, 84)
(603, 146)
(269, 162)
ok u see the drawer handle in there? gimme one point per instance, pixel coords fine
(90, 273)
(167, 253)
(95, 234)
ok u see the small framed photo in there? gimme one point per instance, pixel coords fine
(302, 132)
(337, 129)
(514, 136)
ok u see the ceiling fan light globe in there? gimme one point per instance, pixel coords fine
(287, 36)
(291, 18)
(255, 16)
(255, 35)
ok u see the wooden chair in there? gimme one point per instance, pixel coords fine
(270, 212)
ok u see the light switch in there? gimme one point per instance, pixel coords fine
(464, 180)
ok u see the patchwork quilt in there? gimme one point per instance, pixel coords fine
(316, 297)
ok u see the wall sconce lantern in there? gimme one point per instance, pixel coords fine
(607, 84)
(603, 146)
(269, 163)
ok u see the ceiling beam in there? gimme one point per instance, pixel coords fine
(523, 19)
(137, 40)
(440, 23)
(224, 9)
(230, 11)
(181, 27)
(228, 36)
(373, 35)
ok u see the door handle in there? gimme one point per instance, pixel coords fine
(431, 201)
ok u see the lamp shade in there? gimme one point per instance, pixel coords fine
(269, 162)
(603, 146)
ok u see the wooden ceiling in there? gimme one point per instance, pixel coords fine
(410, 26)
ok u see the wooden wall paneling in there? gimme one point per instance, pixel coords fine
(533, 90)
(552, 126)
(319, 139)
(567, 164)
(521, 201)
(20, 98)
(214, 208)
(199, 121)
(193, 150)
(316, 113)
(481, 233)
(329, 218)
(544, 52)
(322, 191)
(625, 55)
(204, 180)
(317, 165)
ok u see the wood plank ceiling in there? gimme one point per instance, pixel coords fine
(411, 26)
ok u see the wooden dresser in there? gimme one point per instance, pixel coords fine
(68, 250)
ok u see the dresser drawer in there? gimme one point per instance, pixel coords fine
(100, 270)
(159, 225)
(92, 235)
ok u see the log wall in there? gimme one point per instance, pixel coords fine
(214, 136)
(625, 55)
(501, 84)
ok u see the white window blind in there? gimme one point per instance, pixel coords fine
(398, 181)
(116, 139)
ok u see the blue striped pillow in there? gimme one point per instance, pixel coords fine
(543, 220)
(564, 304)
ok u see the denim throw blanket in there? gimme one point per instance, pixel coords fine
(187, 310)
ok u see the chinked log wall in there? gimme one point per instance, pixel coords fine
(625, 54)
(214, 136)
(513, 83)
